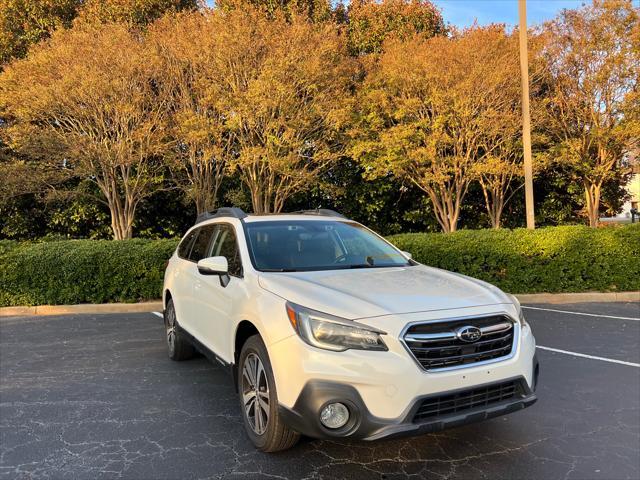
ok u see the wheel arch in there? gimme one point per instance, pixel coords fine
(166, 296)
(244, 330)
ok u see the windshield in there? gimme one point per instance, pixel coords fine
(303, 245)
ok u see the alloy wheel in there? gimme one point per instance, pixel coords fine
(255, 393)
(170, 325)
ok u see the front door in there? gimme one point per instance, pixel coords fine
(191, 314)
(214, 301)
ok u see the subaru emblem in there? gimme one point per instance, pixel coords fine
(469, 334)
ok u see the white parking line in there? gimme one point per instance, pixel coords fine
(582, 313)
(592, 357)
(158, 314)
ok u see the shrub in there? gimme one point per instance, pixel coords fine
(7, 245)
(77, 271)
(552, 259)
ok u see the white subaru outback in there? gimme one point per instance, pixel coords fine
(330, 331)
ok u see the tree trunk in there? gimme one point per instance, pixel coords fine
(495, 211)
(122, 215)
(257, 200)
(263, 198)
(200, 204)
(592, 205)
(205, 177)
(121, 224)
(453, 223)
(203, 201)
(494, 216)
(446, 209)
(494, 200)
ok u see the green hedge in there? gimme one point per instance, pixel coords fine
(7, 245)
(79, 271)
(552, 259)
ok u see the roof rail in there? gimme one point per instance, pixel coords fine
(232, 212)
(325, 212)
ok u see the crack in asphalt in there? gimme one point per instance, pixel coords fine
(77, 401)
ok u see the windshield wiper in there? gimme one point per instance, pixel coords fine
(279, 270)
(369, 265)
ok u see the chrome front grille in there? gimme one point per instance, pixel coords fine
(461, 342)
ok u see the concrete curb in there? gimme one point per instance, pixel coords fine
(585, 297)
(82, 308)
(89, 308)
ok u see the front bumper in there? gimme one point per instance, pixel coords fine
(303, 417)
(386, 386)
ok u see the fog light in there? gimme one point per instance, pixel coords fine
(334, 415)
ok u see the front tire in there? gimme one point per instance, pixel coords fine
(259, 400)
(179, 347)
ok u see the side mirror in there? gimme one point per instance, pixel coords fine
(213, 266)
(407, 254)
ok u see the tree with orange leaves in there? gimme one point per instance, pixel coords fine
(370, 22)
(90, 94)
(439, 112)
(280, 84)
(185, 47)
(591, 109)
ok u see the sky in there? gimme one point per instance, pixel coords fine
(462, 13)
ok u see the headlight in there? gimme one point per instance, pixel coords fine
(523, 322)
(516, 302)
(333, 333)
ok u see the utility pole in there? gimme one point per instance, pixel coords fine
(526, 118)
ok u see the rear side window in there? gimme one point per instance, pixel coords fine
(185, 244)
(227, 246)
(201, 244)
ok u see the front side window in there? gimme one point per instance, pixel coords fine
(304, 245)
(185, 245)
(227, 246)
(201, 244)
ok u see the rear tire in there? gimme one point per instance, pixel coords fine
(178, 345)
(259, 400)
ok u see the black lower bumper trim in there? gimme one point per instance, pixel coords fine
(454, 420)
(304, 416)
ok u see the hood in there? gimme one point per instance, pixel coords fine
(371, 292)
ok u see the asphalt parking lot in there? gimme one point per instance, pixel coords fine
(90, 397)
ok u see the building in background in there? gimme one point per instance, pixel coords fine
(632, 160)
(633, 187)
